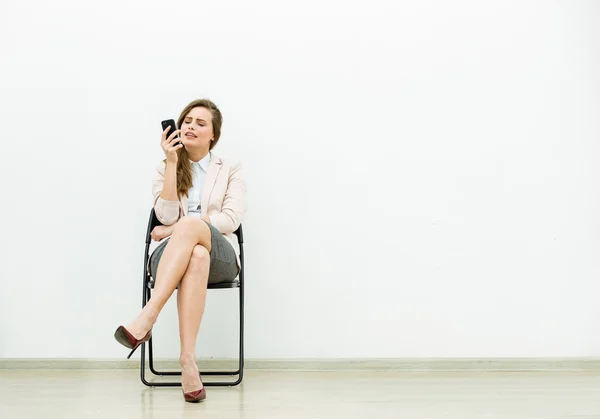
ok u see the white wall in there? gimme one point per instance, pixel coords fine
(423, 176)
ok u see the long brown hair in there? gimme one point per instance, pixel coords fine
(184, 167)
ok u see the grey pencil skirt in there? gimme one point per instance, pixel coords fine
(223, 261)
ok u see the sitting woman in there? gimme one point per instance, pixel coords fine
(201, 200)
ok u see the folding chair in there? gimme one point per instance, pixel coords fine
(146, 294)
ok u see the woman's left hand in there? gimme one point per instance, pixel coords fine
(160, 232)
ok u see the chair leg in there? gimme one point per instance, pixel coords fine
(143, 367)
(239, 372)
(151, 360)
(145, 298)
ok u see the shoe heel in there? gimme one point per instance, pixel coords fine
(132, 351)
(129, 341)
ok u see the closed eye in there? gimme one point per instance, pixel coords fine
(200, 122)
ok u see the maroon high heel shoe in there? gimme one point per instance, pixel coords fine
(126, 339)
(195, 396)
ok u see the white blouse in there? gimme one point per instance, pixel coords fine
(195, 193)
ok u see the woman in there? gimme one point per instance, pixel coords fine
(201, 200)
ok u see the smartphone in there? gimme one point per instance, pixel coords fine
(170, 123)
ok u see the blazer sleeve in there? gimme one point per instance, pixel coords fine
(167, 212)
(234, 202)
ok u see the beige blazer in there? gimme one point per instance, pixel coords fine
(223, 198)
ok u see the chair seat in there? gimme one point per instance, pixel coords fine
(234, 284)
(220, 285)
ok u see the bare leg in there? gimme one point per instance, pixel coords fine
(190, 306)
(188, 232)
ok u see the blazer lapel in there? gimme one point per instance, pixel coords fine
(211, 176)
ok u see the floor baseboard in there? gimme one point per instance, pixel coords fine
(400, 364)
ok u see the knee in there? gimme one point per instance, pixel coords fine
(187, 226)
(200, 257)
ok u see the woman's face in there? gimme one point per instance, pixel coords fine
(197, 129)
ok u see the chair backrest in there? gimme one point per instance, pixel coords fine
(153, 222)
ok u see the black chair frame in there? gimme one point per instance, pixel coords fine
(146, 294)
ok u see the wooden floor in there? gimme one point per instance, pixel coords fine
(275, 394)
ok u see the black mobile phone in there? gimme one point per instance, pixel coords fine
(170, 123)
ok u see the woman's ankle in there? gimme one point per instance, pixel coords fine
(187, 360)
(149, 316)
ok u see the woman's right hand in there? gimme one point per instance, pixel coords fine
(168, 144)
(160, 232)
